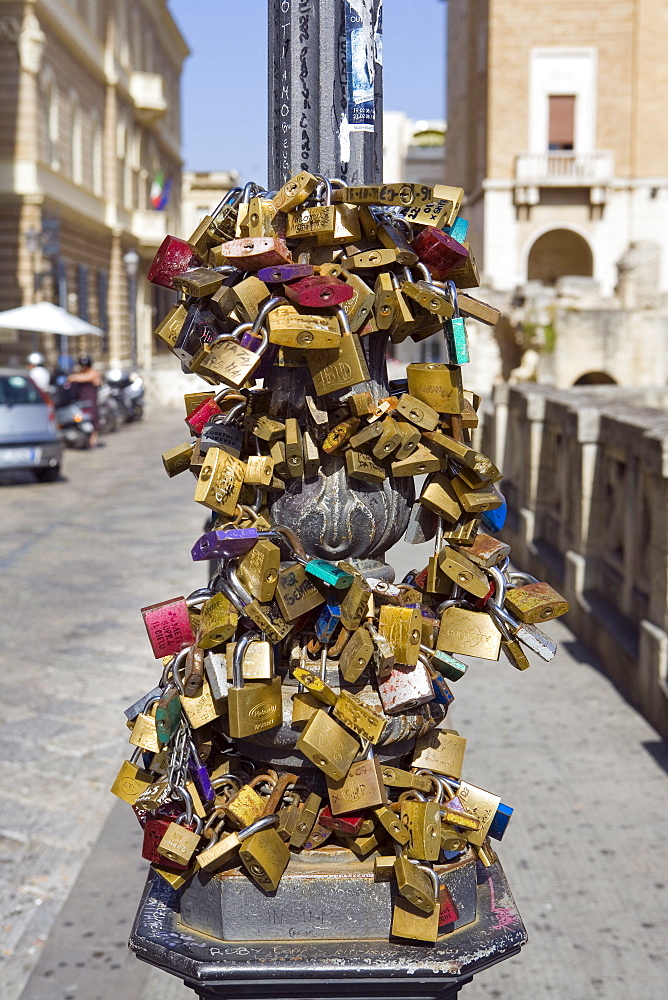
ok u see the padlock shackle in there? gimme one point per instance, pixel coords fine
(176, 665)
(240, 647)
(199, 597)
(182, 792)
(344, 321)
(224, 587)
(517, 579)
(264, 823)
(233, 579)
(434, 879)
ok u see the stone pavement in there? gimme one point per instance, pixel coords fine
(585, 852)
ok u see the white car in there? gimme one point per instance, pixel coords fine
(29, 434)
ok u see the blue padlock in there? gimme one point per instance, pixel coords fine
(500, 821)
(494, 520)
(327, 621)
(458, 229)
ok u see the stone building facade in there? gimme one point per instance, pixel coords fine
(557, 133)
(89, 145)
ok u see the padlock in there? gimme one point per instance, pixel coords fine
(472, 633)
(296, 593)
(284, 273)
(168, 626)
(384, 656)
(340, 367)
(131, 780)
(465, 274)
(483, 805)
(259, 568)
(414, 885)
(401, 194)
(220, 481)
(144, 731)
(246, 804)
(435, 213)
(421, 461)
(250, 253)
(477, 500)
(391, 823)
(362, 788)
(288, 327)
(439, 496)
(340, 434)
(347, 825)
(440, 252)
(410, 922)
(252, 708)
(295, 190)
(441, 750)
(356, 654)
(535, 602)
(172, 258)
(455, 331)
(177, 460)
(463, 572)
(358, 717)
(218, 621)
(194, 671)
(328, 745)
(258, 663)
(438, 385)
(265, 856)
(308, 814)
(225, 848)
(422, 819)
(431, 298)
(402, 627)
(405, 688)
(179, 843)
(445, 663)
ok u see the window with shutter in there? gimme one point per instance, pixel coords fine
(561, 122)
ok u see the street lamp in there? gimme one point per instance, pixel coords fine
(131, 265)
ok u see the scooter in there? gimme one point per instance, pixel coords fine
(74, 422)
(128, 389)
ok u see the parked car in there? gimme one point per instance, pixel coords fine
(29, 435)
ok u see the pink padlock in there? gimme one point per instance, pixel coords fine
(202, 415)
(168, 626)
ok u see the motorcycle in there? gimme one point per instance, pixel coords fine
(128, 390)
(111, 412)
(74, 421)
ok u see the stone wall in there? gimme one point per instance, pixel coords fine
(586, 479)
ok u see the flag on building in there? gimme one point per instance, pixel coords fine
(160, 191)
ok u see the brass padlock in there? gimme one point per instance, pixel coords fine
(144, 730)
(463, 572)
(359, 717)
(410, 922)
(472, 633)
(355, 602)
(421, 461)
(294, 452)
(414, 885)
(439, 496)
(220, 481)
(362, 788)
(290, 327)
(258, 569)
(258, 663)
(252, 708)
(246, 804)
(296, 592)
(328, 745)
(441, 750)
(218, 621)
(361, 465)
(341, 367)
(178, 843)
(295, 190)
(535, 602)
(483, 805)
(391, 823)
(402, 627)
(356, 655)
(177, 460)
(438, 385)
(308, 814)
(131, 780)
(422, 819)
(265, 857)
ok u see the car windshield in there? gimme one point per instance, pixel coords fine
(17, 390)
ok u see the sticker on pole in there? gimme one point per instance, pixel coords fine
(360, 44)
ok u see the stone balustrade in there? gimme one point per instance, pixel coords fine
(586, 479)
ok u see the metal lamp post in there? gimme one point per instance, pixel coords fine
(131, 265)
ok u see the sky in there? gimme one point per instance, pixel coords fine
(224, 83)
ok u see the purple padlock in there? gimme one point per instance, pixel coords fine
(224, 544)
(200, 776)
(252, 342)
(285, 272)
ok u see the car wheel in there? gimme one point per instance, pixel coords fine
(48, 475)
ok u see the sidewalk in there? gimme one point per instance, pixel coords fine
(585, 852)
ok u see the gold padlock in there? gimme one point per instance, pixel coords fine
(410, 922)
(472, 633)
(328, 745)
(423, 822)
(288, 327)
(439, 496)
(402, 627)
(438, 385)
(177, 460)
(217, 622)
(442, 751)
(341, 367)
(258, 569)
(361, 465)
(252, 708)
(178, 843)
(220, 481)
(170, 327)
(535, 602)
(265, 857)
(296, 592)
(362, 788)
(359, 717)
(414, 885)
(463, 572)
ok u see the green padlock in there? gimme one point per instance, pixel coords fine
(455, 331)
(328, 574)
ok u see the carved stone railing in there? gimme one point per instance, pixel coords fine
(565, 168)
(586, 479)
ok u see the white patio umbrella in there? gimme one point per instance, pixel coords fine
(45, 317)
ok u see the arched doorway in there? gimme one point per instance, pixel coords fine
(595, 378)
(557, 253)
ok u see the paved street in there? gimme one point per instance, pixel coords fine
(585, 852)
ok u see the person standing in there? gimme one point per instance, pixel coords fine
(39, 373)
(88, 380)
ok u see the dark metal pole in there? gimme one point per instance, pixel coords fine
(325, 89)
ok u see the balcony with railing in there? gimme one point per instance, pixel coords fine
(565, 169)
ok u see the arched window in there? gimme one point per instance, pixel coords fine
(558, 253)
(53, 124)
(595, 378)
(98, 182)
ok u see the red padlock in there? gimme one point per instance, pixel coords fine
(155, 828)
(348, 825)
(201, 416)
(319, 291)
(438, 251)
(174, 256)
